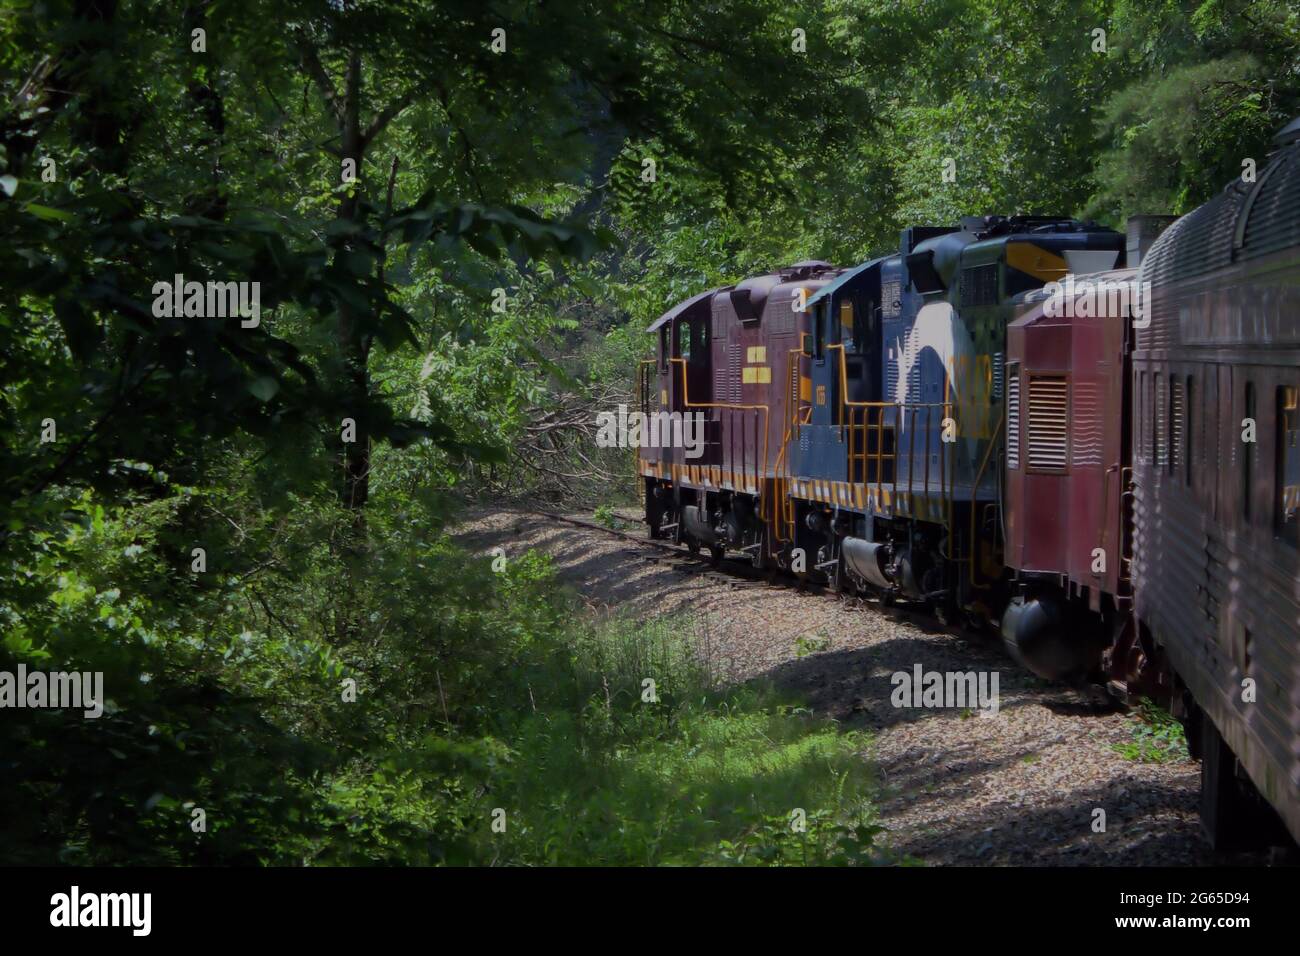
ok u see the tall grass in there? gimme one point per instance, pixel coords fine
(633, 757)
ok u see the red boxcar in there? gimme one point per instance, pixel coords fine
(1066, 472)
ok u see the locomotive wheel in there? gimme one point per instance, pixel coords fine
(716, 554)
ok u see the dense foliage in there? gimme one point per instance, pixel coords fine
(458, 237)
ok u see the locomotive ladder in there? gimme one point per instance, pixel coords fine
(874, 464)
(872, 454)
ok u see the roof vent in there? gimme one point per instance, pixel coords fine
(802, 270)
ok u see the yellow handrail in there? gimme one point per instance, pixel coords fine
(880, 407)
(687, 403)
(782, 511)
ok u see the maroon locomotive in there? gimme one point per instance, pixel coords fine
(731, 355)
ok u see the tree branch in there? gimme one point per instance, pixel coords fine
(382, 120)
(312, 64)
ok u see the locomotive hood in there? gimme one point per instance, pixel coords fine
(934, 261)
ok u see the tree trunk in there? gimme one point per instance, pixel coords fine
(353, 343)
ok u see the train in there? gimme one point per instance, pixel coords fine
(1084, 440)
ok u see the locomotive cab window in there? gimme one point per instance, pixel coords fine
(1286, 512)
(855, 318)
(663, 349)
(693, 341)
(865, 318)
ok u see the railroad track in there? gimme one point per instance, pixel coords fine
(738, 574)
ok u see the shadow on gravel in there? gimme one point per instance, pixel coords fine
(857, 685)
(1144, 826)
(913, 780)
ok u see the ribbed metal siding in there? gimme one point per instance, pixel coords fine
(1273, 222)
(1176, 425)
(1013, 417)
(733, 373)
(1220, 593)
(1085, 423)
(1199, 243)
(913, 375)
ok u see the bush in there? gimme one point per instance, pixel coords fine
(475, 693)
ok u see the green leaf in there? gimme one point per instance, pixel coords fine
(264, 387)
(47, 212)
